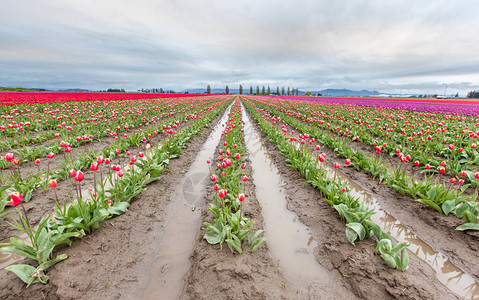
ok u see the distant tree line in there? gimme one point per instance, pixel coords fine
(115, 91)
(261, 91)
(473, 94)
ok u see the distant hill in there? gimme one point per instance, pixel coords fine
(10, 89)
(345, 92)
(74, 90)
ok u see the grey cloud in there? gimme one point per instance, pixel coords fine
(180, 44)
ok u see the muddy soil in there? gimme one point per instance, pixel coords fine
(363, 273)
(113, 261)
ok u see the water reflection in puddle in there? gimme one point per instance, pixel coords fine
(447, 273)
(7, 259)
(289, 241)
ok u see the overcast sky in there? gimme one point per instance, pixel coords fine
(389, 46)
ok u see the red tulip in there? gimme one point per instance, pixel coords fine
(94, 166)
(417, 163)
(428, 167)
(336, 165)
(100, 159)
(442, 170)
(37, 161)
(15, 198)
(79, 176)
(348, 161)
(245, 178)
(213, 177)
(9, 157)
(73, 173)
(243, 166)
(241, 197)
(53, 183)
(222, 193)
(443, 163)
(50, 155)
(217, 187)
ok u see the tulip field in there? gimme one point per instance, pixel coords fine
(158, 196)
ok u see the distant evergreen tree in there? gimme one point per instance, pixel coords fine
(208, 89)
(277, 90)
(282, 91)
(241, 90)
(162, 91)
(251, 90)
(289, 91)
(457, 95)
(473, 94)
(297, 92)
(257, 90)
(227, 90)
(269, 91)
(263, 91)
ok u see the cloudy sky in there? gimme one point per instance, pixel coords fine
(390, 46)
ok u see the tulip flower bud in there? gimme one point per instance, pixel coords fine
(79, 176)
(53, 183)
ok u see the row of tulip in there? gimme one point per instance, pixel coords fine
(426, 138)
(358, 223)
(87, 213)
(443, 197)
(8, 99)
(116, 120)
(229, 179)
(27, 184)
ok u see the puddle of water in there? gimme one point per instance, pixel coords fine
(289, 241)
(458, 281)
(7, 259)
(171, 263)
